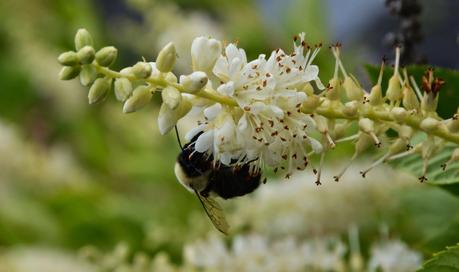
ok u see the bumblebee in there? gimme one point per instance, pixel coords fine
(197, 173)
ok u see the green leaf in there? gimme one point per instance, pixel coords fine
(443, 261)
(447, 179)
(449, 95)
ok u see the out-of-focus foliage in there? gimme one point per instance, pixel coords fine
(73, 175)
(447, 260)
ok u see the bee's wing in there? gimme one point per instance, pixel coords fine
(215, 212)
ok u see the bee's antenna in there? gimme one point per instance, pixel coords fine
(178, 138)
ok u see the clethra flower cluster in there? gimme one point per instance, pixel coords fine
(272, 111)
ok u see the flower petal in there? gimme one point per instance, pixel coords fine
(205, 141)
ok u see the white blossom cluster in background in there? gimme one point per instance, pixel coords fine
(298, 207)
(277, 230)
(23, 160)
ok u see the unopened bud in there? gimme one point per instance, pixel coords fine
(394, 90)
(99, 90)
(204, 53)
(140, 97)
(410, 100)
(429, 102)
(82, 39)
(350, 108)
(166, 58)
(311, 103)
(141, 69)
(170, 77)
(321, 123)
(88, 75)
(375, 96)
(353, 91)
(194, 82)
(106, 56)
(334, 89)
(168, 117)
(455, 155)
(308, 89)
(453, 123)
(69, 58)
(69, 72)
(398, 146)
(366, 125)
(405, 132)
(363, 143)
(171, 97)
(429, 124)
(86, 54)
(399, 114)
(123, 89)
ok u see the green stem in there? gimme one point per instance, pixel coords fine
(328, 112)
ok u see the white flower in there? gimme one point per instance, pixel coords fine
(267, 127)
(168, 117)
(194, 82)
(394, 256)
(204, 53)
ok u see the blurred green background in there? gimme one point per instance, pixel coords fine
(73, 175)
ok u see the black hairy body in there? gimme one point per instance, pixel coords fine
(225, 181)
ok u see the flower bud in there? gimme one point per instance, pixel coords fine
(86, 54)
(429, 124)
(308, 89)
(321, 123)
(69, 58)
(429, 102)
(363, 143)
(311, 103)
(171, 78)
(140, 97)
(353, 91)
(171, 97)
(394, 91)
(410, 100)
(334, 89)
(398, 146)
(88, 75)
(455, 156)
(453, 123)
(141, 69)
(204, 53)
(168, 117)
(399, 114)
(106, 56)
(350, 108)
(99, 90)
(366, 125)
(82, 39)
(166, 58)
(194, 82)
(123, 89)
(375, 96)
(405, 132)
(69, 72)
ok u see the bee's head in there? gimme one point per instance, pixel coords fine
(190, 180)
